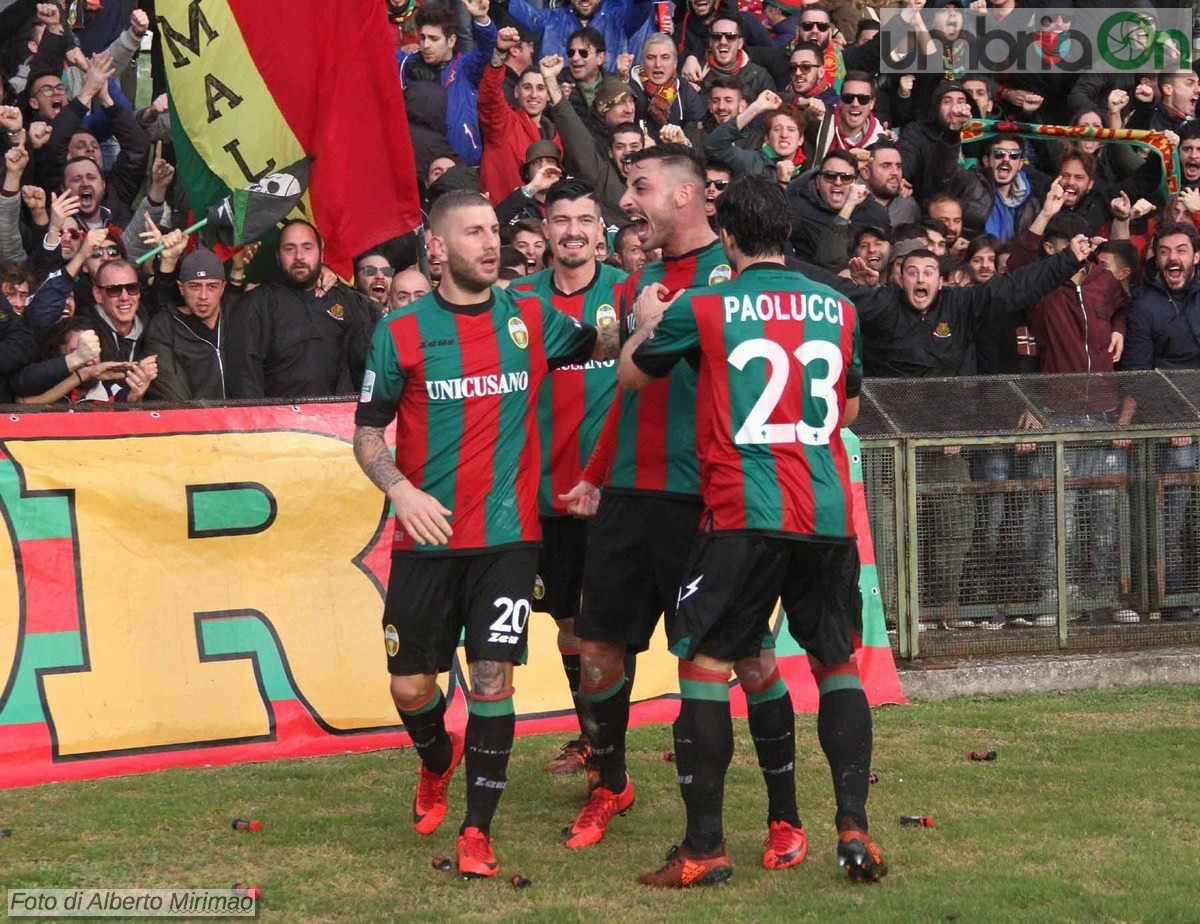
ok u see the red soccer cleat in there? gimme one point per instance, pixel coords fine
(601, 805)
(682, 870)
(787, 845)
(475, 857)
(429, 802)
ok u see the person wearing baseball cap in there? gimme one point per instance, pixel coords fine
(189, 338)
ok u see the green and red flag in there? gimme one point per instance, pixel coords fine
(245, 215)
(255, 91)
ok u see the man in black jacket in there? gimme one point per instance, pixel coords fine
(16, 346)
(190, 339)
(825, 203)
(920, 329)
(290, 339)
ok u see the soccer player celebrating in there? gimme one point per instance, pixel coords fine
(459, 369)
(780, 367)
(571, 409)
(639, 542)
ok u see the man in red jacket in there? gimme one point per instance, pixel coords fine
(508, 132)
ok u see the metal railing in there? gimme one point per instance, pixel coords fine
(1081, 532)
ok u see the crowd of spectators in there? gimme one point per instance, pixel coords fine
(963, 258)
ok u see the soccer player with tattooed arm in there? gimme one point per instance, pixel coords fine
(779, 361)
(459, 370)
(648, 520)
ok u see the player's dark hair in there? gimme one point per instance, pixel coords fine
(753, 210)
(982, 242)
(922, 254)
(622, 233)
(1087, 161)
(809, 46)
(439, 17)
(569, 190)
(587, 34)
(1125, 252)
(1175, 227)
(844, 156)
(453, 201)
(1064, 226)
(726, 83)
(528, 225)
(677, 156)
(358, 261)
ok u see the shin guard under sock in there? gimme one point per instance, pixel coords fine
(609, 708)
(426, 726)
(773, 728)
(703, 750)
(844, 730)
(490, 728)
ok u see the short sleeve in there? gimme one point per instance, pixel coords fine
(383, 380)
(854, 375)
(566, 340)
(675, 337)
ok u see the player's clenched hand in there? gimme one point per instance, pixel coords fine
(583, 500)
(421, 515)
(650, 305)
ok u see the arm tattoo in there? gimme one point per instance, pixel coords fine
(608, 345)
(370, 449)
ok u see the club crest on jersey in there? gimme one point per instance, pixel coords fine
(539, 588)
(722, 273)
(337, 312)
(519, 332)
(942, 331)
(606, 314)
(391, 640)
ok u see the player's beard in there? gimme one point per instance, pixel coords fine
(574, 258)
(468, 276)
(302, 279)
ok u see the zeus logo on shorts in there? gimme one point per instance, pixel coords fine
(510, 627)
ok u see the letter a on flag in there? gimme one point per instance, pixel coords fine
(256, 94)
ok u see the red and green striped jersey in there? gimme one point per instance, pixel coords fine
(655, 441)
(462, 383)
(778, 356)
(574, 401)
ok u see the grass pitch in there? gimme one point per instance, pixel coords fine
(1091, 813)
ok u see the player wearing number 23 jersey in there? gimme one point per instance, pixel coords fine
(779, 362)
(777, 356)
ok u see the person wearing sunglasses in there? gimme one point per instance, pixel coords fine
(373, 277)
(727, 60)
(120, 321)
(826, 204)
(1002, 194)
(717, 177)
(852, 124)
(586, 54)
(811, 84)
(618, 21)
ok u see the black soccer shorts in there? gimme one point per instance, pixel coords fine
(433, 601)
(734, 580)
(637, 549)
(559, 585)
